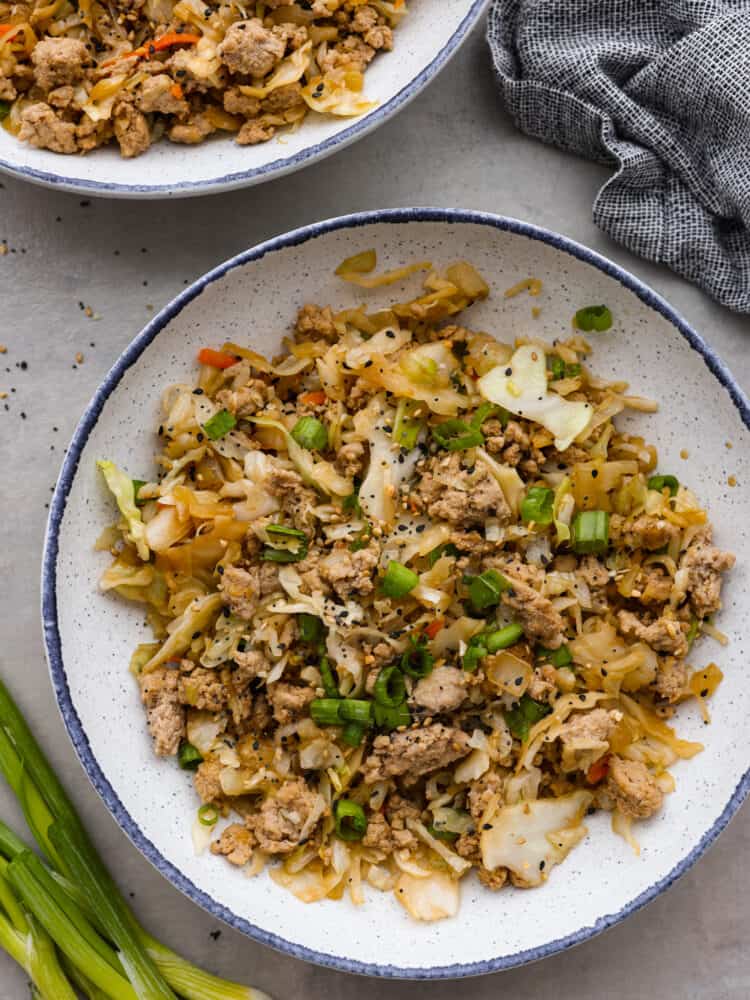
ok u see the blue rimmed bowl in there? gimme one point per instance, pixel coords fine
(253, 298)
(424, 42)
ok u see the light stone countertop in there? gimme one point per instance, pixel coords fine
(454, 146)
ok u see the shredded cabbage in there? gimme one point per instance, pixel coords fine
(121, 487)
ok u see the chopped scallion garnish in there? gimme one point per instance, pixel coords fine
(590, 318)
(355, 710)
(283, 534)
(406, 430)
(503, 637)
(391, 717)
(661, 482)
(325, 711)
(398, 580)
(353, 733)
(390, 689)
(188, 756)
(328, 680)
(221, 423)
(457, 435)
(525, 715)
(590, 532)
(137, 483)
(310, 627)
(417, 661)
(310, 433)
(351, 822)
(208, 815)
(449, 549)
(485, 589)
(557, 657)
(537, 505)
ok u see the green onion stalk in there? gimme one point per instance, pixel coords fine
(62, 918)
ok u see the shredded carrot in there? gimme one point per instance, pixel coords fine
(5, 28)
(216, 359)
(176, 91)
(316, 398)
(158, 45)
(598, 771)
(434, 627)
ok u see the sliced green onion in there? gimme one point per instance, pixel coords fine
(53, 821)
(330, 686)
(325, 711)
(398, 580)
(355, 710)
(351, 503)
(448, 549)
(353, 733)
(442, 834)
(537, 505)
(561, 657)
(487, 410)
(390, 689)
(503, 638)
(188, 756)
(283, 555)
(406, 430)
(310, 433)
(474, 653)
(351, 822)
(221, 423)
(561, 369)
(659, 482)
(457, 435)
(417, 661)
(4, 109)
(525, 715)
(590, 318)
(590, 532)
(207, 815)
(137, 483)
(485, 589)
(310, 627)
(283, 533)
(389, 718)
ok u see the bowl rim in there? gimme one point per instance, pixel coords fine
(49, 598)
(278, 167)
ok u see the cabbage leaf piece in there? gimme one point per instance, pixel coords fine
(529, 838)
(521, 387)
(121, 487)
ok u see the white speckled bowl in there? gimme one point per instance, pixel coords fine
(424, 43)
(253, 298)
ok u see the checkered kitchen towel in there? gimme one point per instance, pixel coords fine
(659, 89)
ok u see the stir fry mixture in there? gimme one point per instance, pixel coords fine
(75, 74)
(419, 605)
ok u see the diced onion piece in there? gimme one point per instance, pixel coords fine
(524, 392)
(531, 837)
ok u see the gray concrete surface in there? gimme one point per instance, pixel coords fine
(453, 146)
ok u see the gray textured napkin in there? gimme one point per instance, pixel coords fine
(660, 89)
